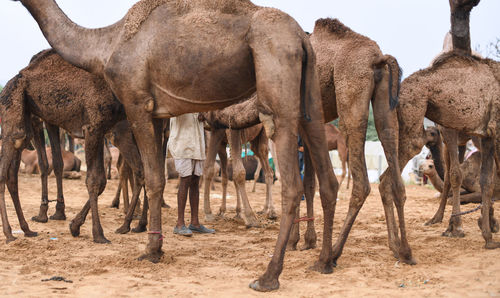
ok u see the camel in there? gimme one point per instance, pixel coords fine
(205, 55)
(217, 144)
(460, 93)
(90, 110)
(332, 42)
(336, 141)
(30, 160)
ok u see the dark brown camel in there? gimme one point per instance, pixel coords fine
(217, 144)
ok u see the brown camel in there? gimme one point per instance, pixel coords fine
(30, 160)
(461, 93)
(336, 141)
(217, 144)
(205, 55)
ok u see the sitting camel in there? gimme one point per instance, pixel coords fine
(239, 51)
(217, 144)
(30, 160)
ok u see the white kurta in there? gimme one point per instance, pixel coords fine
(187, 138)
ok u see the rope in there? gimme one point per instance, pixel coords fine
(157, 233)
(305, 218)
(470, 211)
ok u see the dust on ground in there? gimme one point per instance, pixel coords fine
(225, 263)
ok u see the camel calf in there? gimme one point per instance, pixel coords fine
(30, 160)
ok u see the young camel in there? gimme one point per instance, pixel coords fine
(336, 141)
(30, 160)
(217, 144)
(239, 46)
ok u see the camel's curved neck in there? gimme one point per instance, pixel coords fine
(460, 28)
(437, 157)
(85, 48)
(436, 181)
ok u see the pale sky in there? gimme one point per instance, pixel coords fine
(412, 31)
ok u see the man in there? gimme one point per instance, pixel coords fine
(187, 146)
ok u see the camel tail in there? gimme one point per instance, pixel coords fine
(308, 64)
(395, 74)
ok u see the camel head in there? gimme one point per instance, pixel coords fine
(432, 136)
(466, 5)
(427, 167)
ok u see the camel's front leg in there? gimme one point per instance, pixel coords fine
(5, 161)
(224, 180)
(487, 158)
(454, 174)
(261, 149)
(239, 176)
(309, 191)
(136, 191)
(208, 171)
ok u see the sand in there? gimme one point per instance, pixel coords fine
(223, 264)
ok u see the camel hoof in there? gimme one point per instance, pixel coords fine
(39, 218)
(493, 224)
(101, 240)
(271, 215)
(238, 217)
(492, 245)
(114, 205)
(291, 246)
(308, 246)
(209, 217)
(252, 222)
(433, 221)
(139, 229)
(123, 229)
(407, 259)
(58, 216)
(30, 233)
(323, 268)
(152, 257)
(74, 228)
(454, 233)
(221, 213)
(262, 287)
(10, 239)
(165, 205)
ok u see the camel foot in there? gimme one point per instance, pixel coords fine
(221, 213)
(407, 258)
(454, 232)
(492, 245)
(252, 221)
(308, 245)
(434, 220)
(115, 204)
(309, 239)
(30, 233)
(164, 205)
(42, 214)
(262, 286)
(153, 257)
(139, 229)
(59, 215)
(238, 217)
(101, 240)
(124, 229)
(10, 239)
(271, 215)
(323, 268)
(209, 217)
(74, 228)
(291, 246)
(493, 224)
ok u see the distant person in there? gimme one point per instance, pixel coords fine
(187, 146)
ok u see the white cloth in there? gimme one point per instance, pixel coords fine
(187, 138)
(187, 167)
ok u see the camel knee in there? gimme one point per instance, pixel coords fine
(154, 187)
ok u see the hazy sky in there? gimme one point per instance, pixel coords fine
(412, 31)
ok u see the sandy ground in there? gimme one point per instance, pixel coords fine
(223, 264)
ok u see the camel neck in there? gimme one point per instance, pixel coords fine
(82, 47)
(436, 152)
(460, 30)
(436, 181)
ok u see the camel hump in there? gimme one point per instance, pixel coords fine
(140, 11)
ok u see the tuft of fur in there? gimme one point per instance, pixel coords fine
(336, 27)
(142, 9)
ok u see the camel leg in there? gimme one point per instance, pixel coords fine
(223, 167)
(208, 170)
(12, 184)
(342, 150)
(136, 191)
(309, 190)
(43, 164)
(143, 222)
(239, 178)
(259, 146)
(116, 201)
(8, 153)
(126, 178)
(256, 174)
(355, 130)
(486, 180)
(272, 148)
(438, 216)
(58, 165)
(450, 138)
(107, 159)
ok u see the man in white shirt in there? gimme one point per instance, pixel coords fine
(186, 144)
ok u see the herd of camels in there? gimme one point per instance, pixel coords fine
(248, 68)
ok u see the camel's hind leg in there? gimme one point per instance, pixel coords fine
(487, 158)
(256, 176)
(454, 174)
(8, 153)
(259, 146)
(143, 222)
(136, 191)
(224, 180)
(239, 176)
(116, 200)
(216, 138)
(43, 164)
(57, 163)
